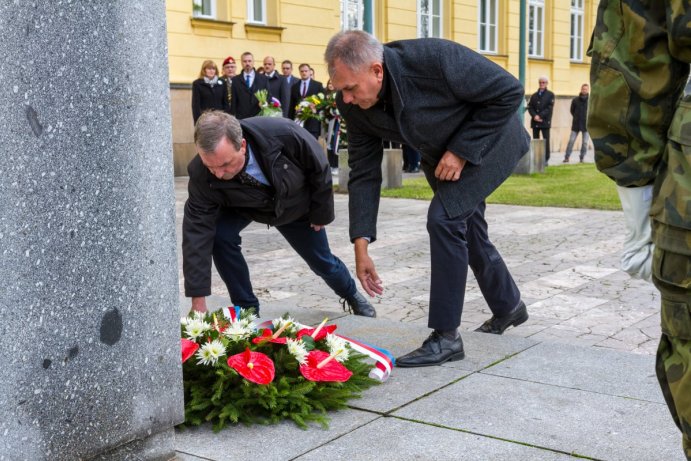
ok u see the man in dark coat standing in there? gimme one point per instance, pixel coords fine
(459, 110)
(278, 85)
(579, 111)
(262, 169)
(244, 103)
(540, 109)
(307, 86)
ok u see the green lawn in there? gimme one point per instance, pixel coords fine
(567, 186)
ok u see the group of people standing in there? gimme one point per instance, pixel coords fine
(235, 92)
(540, 108)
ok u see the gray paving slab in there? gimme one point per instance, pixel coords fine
(405, 385)
(589, 369)
(400, 338)
(573, 421)
(275, 442)
(394, 439)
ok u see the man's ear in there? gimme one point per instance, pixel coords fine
(378, 70)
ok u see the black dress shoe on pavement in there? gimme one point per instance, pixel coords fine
(434, 351)
(497, 325)
(358, 305)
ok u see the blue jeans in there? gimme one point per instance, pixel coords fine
(572, 140)
(312, 246)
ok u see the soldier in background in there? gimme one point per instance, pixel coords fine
(640, 122)
(229, 70)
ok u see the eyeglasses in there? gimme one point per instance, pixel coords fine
(542, 81)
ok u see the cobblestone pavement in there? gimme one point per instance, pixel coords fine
(565, 262)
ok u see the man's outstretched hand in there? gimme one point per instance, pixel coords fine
(365, 271)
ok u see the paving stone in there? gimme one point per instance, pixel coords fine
(280, 441)
(588, 369)
(406, 385)
(393, 439)
(574, 421)
(481, 349)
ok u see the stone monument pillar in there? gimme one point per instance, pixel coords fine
(89, 330)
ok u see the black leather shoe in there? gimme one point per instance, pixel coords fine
(434, 351)
(358, 305)
(497, 325)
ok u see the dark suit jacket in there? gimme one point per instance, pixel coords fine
(205, 97)
(244, 104)
(541, 105)
(279, 89)
(295, 165)
(312, 125)
(443, 96)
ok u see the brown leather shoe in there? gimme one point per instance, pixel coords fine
(497, 325)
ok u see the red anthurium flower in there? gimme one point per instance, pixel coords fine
(253, 366)
(332, 370)
(267, 336)
(321, 335)
(188, 348)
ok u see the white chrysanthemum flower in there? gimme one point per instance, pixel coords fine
(184, 320)
(279, 322)
(209, 353)
(249, 322)
(237, 331)
(196, 328)
(199, 315)
(297, 349)
(336, 344)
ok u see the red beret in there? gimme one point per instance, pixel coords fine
(228, 59)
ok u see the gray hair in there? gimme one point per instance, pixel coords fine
(212, 126)
(355, 49)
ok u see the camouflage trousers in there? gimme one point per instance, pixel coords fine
(672, 270)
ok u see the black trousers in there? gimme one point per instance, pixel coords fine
(455, 245)
(545, 136)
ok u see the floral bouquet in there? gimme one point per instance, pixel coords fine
(237, 371)
(319, 106)
(270, 108)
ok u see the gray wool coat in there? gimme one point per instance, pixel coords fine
(442, 96)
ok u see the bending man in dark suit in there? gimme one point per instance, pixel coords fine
(262, 169)
(244, 103)
(460, 111)
(306, 87)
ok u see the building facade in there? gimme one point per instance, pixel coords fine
(558, 33)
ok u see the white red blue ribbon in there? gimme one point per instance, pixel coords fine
(383, 358)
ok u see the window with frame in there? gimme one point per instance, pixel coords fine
(536, 28)
(429, 18)
(205, 9)
(488, 26)
(357, 15)
(577, 15)
(256, 11)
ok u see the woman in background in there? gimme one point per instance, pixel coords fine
(208, 91)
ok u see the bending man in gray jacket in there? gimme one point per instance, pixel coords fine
(261, 169)
(459, 110)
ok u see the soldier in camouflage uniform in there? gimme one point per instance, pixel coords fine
(640, 121)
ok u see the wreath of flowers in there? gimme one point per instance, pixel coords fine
(269, 108)
(235, 371)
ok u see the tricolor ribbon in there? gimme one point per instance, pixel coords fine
(383, 358)
(232, 312)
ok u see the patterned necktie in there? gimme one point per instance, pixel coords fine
(247, 80)
(248, 180)
(304, 89)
